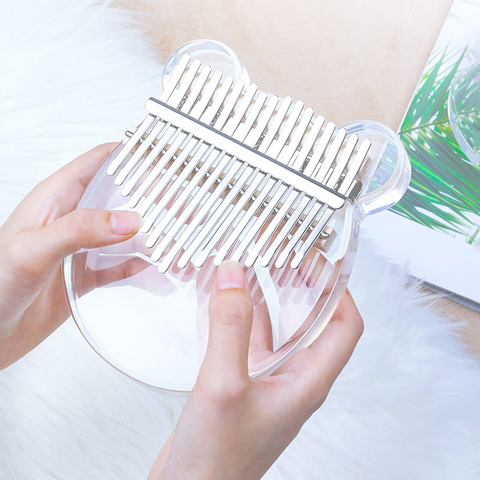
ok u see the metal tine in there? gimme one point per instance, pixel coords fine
(309, 142)
(195, 112)
(207, 230)
(304, 206)
(234, 122)
(132, 141)
(348, 180)
(272, 188)
(287, 153)
(192, 147)
(185, 84)
(313, 206)
(178, 202)
(254, 135)
(355, 166)
(212, 157)
(195, 239)
(226, 163)
(207, 155)
(258, 182)
(167, 131)
(322, 172)
(275, 189)
(295, 201)
(219, 99)
(229, 128)
(342, 163)
(222, 227)
(320, 149)
(176, 76)
(230, 104)
(280, 195)
(286, 198)
(195, 91)
(246, 126)
(259, 103)
(324, 215)
(277, 122)
(160, 130)
(187, 236)
(157, 169)
(214, 176)
(278, 145)
(236, 187)
(299, 205)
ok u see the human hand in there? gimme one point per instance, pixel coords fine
(234, 426)
(42, 230)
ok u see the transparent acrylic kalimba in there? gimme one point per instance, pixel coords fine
(220, 170)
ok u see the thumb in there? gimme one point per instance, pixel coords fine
(37, 251)
(231, 313)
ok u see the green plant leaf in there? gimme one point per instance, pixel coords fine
(445, 186)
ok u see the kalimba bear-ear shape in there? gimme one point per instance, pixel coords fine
(220, 170)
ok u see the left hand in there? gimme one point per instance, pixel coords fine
(44, 229)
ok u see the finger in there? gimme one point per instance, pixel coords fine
(230, 313)
(52, 294)
(316, 367)
(58, 194)
(70, 181)
(81, 170)
(157, 469)
(35, 252)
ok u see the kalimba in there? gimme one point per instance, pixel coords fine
(221, 170)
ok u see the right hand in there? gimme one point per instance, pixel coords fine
(234, 426)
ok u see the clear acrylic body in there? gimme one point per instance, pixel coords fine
(154, 327)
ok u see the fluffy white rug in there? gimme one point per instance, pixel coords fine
(74, 74)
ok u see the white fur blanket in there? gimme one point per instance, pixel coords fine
(74, 74)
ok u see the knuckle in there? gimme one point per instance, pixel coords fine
(18, 261)
(13, 253)
(81, 229)
(81, 215)
(226, 394)
(78, 222)
(83, 220)
(44, 188)
(315, 395)
(357, 324)
(348, 312)
(315, 403)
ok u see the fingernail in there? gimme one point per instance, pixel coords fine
(230, 275)
(124, 223)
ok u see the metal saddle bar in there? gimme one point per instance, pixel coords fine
(243, 152)
(220, 169)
